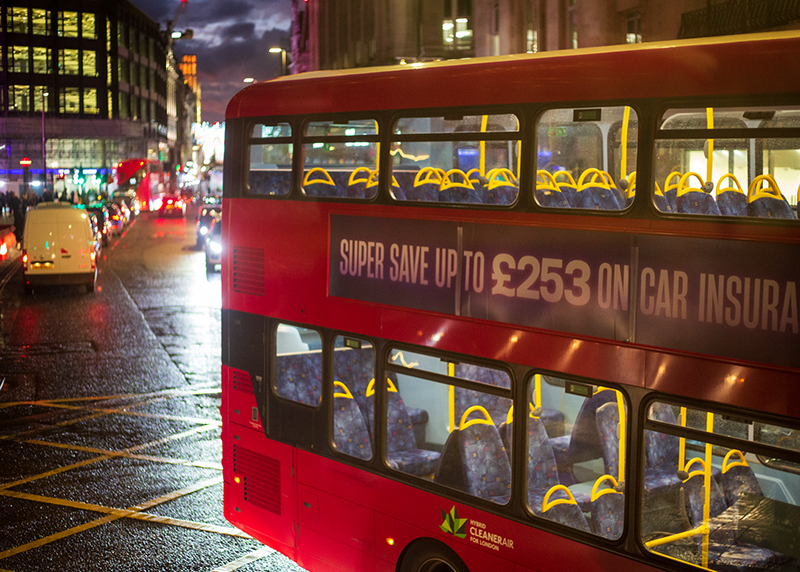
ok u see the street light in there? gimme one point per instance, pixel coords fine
(282, 52)
(249, 80)
(44, 147)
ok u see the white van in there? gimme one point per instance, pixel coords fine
(58, 247)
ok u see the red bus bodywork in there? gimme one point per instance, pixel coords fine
(144, 179)
(330, 515)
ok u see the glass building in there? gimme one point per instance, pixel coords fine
(83, 85)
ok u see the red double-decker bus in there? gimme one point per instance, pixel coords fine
(143, 180)
(534, 312)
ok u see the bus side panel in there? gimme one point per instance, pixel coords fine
(319, 552)
(260, 490)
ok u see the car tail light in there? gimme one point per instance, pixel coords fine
(24, 256)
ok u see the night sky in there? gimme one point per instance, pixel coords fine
(231, 40)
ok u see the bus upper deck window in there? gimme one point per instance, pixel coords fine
(586, 158)
(478, 163)
(270, 170)
(340, 158)
(714, 170)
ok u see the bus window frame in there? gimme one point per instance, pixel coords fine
(249, 141)
(272, 361)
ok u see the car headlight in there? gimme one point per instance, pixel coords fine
(215, 247)
(204, 230)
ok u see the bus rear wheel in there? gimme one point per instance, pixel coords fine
(431, 556)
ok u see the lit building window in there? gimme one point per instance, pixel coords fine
(89, 63)
(40, 22)
(69, 100)
(68, 24)
(122, 35)
(18, 59)
(633, 34)
(124, 104)
(456, 29)
(42, 58)
(124, 69)
(90, 101)
(19, 97)
(68, 62)
(88, 28)
(17, 21)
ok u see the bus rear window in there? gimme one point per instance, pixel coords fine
(271, 151)
(456, 159)
(340, 159)
(586, 158)
(739, 162)
(298, 364)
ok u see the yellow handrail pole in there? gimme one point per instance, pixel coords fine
(622, 435)
(707, 488)
(682, 443)
(451, 371)
(378, 151)
(702, 529)
(484, 124)
(710, 159)
(626, 115)
(537, 389)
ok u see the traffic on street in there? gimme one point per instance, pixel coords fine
(109, 413)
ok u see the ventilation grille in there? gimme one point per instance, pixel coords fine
(262, 478)
(248, 271)
(242, 381)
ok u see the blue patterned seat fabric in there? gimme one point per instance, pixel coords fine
(474, 460)
(496, 406)
(355, 368)
(738, 480)
(770, 207)
(350, 435)
(732, 203)
(697, 202)
(583, 443)
(608, 515)
(597, 198)
(543, 475)
(270, 182)
(402, 452)
(298, 377)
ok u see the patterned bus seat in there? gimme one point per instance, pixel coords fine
(731, 200)
(671, 189)
(737, 478)
(567, 185)
(402, 452)
(298, 377)
(582, 444)
(544, 488)
(350, 435)
(767, 202)
(607, 508)
(596, 191)
(695, 200)
(661, 202)
(270, 181)
(548, 193)
(355, 368)
(474, 460)
(319, 182)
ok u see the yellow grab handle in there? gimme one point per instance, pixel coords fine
(731, 176)
(325, 180)
(547, 505)
(598, 493)
(353, 180)
(755, 192)
(668, 186)
(741, 463)
(487, 421)
(447, 182)
(346, 393)
(429, 176)
(682, 184)
(371, 387)
(691, 462)
(547, 181)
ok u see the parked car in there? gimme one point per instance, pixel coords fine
(116, 218)
(205, 216)
(97, 235)
(103, 221)
(127, 214)
(213, 245)
(58, 247)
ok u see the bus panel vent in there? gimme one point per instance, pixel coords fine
(262, 478)
(249, 274)
(242, 381)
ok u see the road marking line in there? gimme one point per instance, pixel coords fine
(54, 472)
(113, 513)
(204, 527)
(245, 560)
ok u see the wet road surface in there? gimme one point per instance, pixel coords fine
(110, 456)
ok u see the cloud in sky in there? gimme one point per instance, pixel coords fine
(231, 40)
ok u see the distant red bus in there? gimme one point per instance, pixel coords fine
(527, 313)
(144, 180)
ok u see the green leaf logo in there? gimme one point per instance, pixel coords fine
(451, 524)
